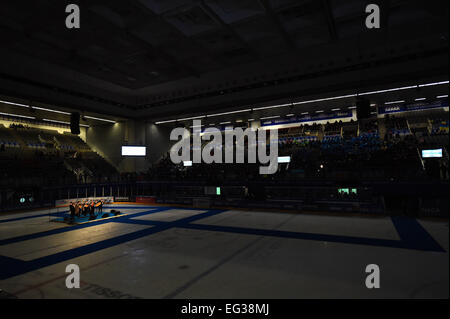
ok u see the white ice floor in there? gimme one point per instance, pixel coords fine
(185, 253)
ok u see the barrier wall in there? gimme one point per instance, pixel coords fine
(146, 199)
(409, 198)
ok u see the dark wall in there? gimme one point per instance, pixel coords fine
(158, 141)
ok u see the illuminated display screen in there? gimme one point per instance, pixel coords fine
(284, 159)
(134, 151)
(187, 163)
(218, 191)
(347, 191)
(432, 153)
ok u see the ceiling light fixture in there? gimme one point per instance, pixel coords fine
(327, 99)
(165, 122)
(227, 113)
(395, 102)
(389, 90)
(49, 110)
(324, 100)
(17, 115)
(433, 84)
(192, 118)
(61, 122)
(272, 107)
(270, 117)
(99, 119)
(12, 103)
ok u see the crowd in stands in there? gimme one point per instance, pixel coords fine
(37, 157)
(18, 126)
(397, 126)
(368, 126)
(33, 157)
(333, 128)
(362, 155)
(439, 126)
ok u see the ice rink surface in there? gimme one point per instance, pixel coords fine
(168, 252)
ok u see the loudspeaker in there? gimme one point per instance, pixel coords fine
(363, 109)
(75, 123)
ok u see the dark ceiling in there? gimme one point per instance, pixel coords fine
(148, 53)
